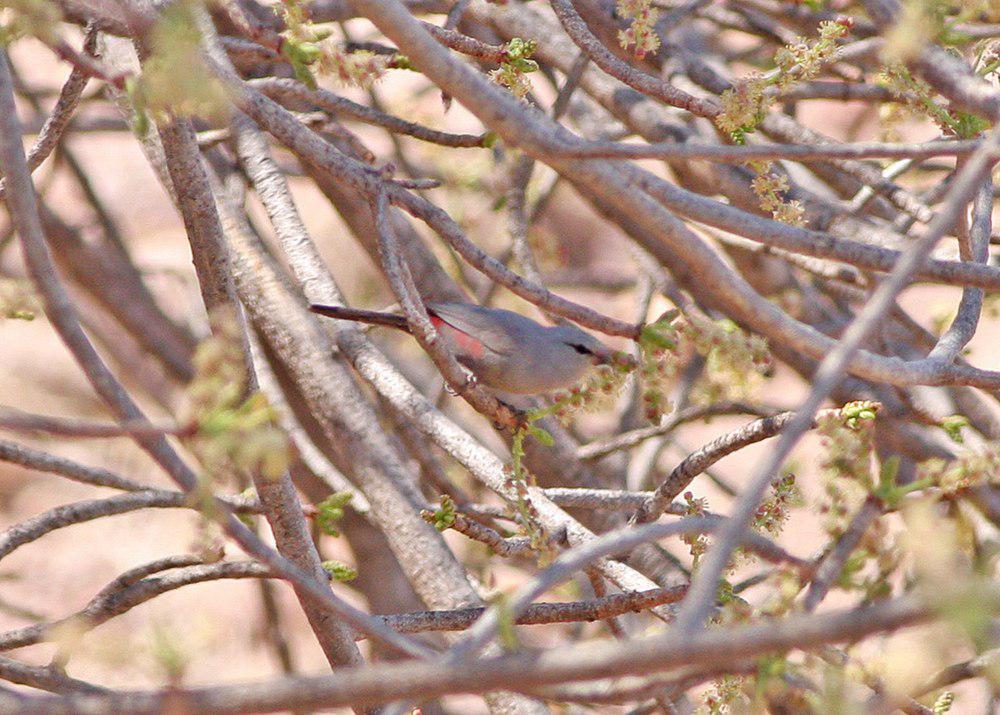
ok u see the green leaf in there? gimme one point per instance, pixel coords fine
(330, 511)
(523, 65)
(659, 334)
(519, 48)
(340, 571)
(541, 435)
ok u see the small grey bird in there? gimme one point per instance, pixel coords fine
(504, 350)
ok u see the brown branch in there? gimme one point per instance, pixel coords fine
(133, 589)
(812, 243)
(797, 152)
(683, 249)
(470, 46)
(251, 27)
(45, 462)
(87, 65)
(501, 545)
(42, 678)
(340, 407)
(425, 680)
(445, 227)
(69, 514)
(401, 282)
(313, 150)
(578, 31)
(540, 613)
(19, 421)
(973, 668)
(700, 599)
(288, 90)
(596, 549)
(963, 327)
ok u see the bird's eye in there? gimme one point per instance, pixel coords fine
(581, 349)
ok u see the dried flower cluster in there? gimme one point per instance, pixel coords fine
(641, 32)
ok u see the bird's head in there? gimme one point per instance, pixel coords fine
(584, 344)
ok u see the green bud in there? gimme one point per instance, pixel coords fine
(308, 52)
(320, 33)
(728, 325)
(401, 62)
(444, 517)
(952, 425)
(519, 48)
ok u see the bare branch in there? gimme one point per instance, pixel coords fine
(284, 90)
(386, 682)
(699, 601)
(627, 440)
(25, 422)
(577, 29)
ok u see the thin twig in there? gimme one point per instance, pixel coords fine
(287, 90)
(831, 566)
(627, 440)
(19, 421)
(963, 327)
(57, 121)
(577, 29)
(700, 460)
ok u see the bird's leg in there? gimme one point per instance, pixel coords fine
(470, 381)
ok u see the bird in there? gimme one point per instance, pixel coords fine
(504, 350)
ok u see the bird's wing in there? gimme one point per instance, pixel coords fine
(494, 328)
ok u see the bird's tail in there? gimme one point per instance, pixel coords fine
(362, 316)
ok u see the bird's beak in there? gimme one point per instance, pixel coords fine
(604, 357)
(613, 357)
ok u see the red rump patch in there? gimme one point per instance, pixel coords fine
(463, 341)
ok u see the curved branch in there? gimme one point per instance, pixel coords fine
(121, 595)
(45, 462)
(578, 31)
(700, 460)
(69, 514)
